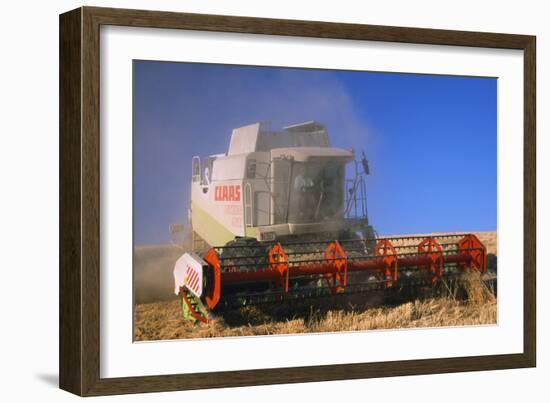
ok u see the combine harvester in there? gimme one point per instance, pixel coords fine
(276, 219)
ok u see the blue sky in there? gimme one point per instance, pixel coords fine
(431, 140)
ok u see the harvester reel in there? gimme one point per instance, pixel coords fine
(248, 273)
(432, 250)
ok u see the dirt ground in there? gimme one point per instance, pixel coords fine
(157, 314)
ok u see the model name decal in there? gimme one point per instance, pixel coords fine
(227, 193)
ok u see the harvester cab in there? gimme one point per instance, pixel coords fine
(276, 186)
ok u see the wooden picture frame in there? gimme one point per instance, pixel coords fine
(80, 198)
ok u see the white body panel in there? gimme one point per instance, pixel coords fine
(244, 139)
(217, 208)
(188, 273)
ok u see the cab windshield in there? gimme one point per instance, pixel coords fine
(316, 191)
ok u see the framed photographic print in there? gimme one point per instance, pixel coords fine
(276, 201)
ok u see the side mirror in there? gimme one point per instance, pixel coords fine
(365, 164)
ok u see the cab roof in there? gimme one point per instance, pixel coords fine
(253, 138)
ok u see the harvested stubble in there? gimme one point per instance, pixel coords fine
(477, 291)
(158, 321)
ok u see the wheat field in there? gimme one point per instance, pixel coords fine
(163, 321)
